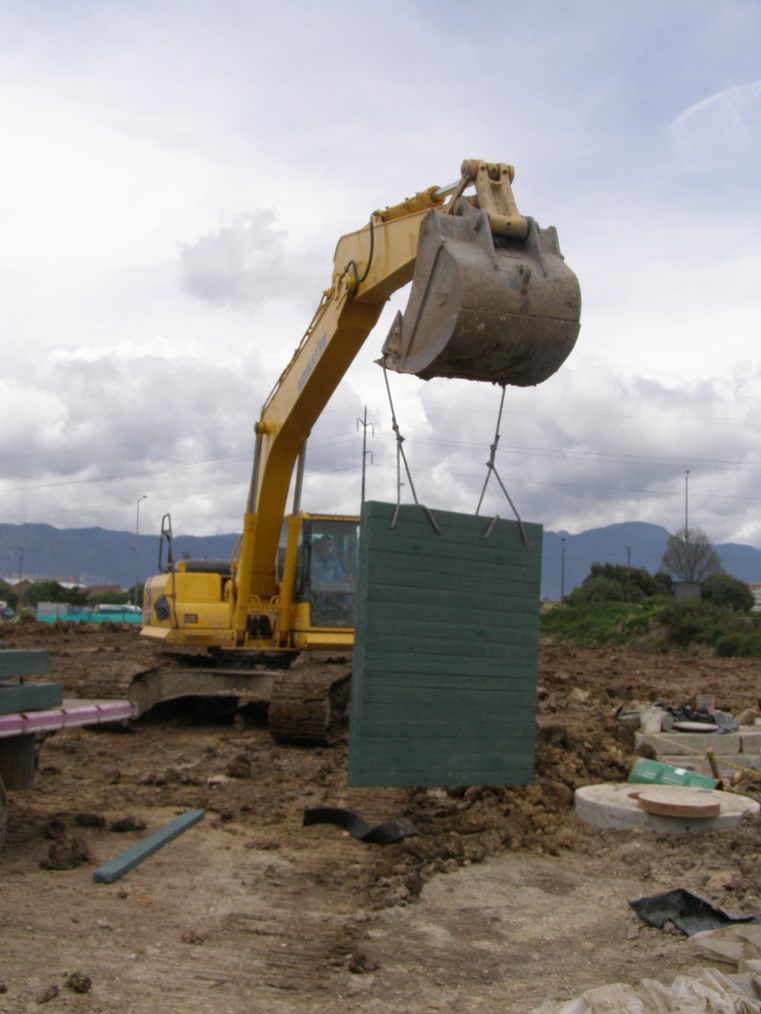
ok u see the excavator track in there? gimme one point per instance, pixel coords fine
(307, 703)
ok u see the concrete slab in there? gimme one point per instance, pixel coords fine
(751, 739)
(685, 743)
(615, 807)
(699, 763)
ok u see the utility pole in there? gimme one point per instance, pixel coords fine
(562, 571)
(686, 522)
(364, 424)
(137, 538)
(628, 572)
(20, 576)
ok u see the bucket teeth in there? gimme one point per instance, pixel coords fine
(499, 309)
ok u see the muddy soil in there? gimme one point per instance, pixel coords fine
(503, 900)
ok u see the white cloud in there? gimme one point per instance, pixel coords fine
(176, 180)
(246, 263)
(722, 133)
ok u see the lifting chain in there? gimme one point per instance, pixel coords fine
(492, 468)
(402, 457)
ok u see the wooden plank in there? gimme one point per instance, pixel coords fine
(488, 771)
(442, 663)
(116, 868)
(448, 696)
(491, 569)
(17, 662)
(679, 801)
(51, 719)
(456, 636)
(29, 697)
(446, 651)
(469, 732)
(447, 604)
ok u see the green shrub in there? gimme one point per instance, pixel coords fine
(681, 624)
(691, 622)
(739, 645)
(591, 623)
(597, 589)
(728, 592)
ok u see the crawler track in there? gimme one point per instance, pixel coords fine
(308, 703)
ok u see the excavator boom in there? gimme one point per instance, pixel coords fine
(491, 299)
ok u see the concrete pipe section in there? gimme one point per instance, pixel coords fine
(667, 809)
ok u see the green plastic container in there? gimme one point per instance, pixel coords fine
(650, 772)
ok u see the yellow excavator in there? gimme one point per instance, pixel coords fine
(492, 300)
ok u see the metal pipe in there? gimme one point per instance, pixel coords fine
(562, 572)
(299, 479)
(137, 540)
(254, 475)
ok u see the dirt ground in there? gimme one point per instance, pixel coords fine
(503, 900)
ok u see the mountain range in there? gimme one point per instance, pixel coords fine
(97, 556)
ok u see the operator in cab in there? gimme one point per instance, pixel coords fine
(326, 569)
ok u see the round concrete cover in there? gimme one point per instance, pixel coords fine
(617, 806)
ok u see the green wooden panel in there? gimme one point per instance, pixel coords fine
(15, 662)
(29, 697)
(393, 662)
(446, 650)
(449, 694)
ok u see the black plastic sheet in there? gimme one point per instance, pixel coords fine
(384, 834)
(686, 911)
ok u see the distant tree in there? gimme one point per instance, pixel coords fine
(112, 597)
(689, 556)
(7, 594)
(43, 591)
(52, 591)
(77, 596)
(664, 583)
(597, 589)
(633, 584)
(728, 592)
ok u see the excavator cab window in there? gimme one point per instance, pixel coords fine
(330, 551)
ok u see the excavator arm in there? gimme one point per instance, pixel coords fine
(491, 299)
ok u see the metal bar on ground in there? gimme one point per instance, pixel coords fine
(116, 868)
(63, 718)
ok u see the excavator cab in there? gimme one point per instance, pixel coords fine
(326, 571)
(492, 298)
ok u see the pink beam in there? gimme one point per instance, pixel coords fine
(25, 722)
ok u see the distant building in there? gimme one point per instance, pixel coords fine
(102, 589)
(756, 589)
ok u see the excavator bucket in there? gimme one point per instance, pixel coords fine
(502, 308)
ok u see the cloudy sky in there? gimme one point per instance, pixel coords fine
(176, 176)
